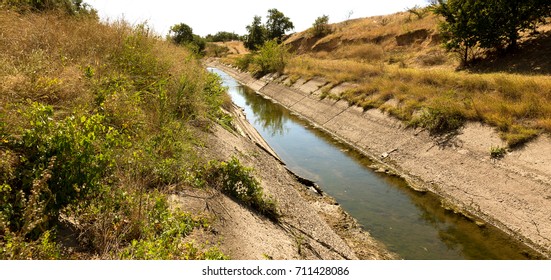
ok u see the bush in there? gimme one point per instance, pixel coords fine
(271, 58)
(439, 120)
(16, 247)
(237, 181)
(321, 27)
(244, 61)
(59, 163)
(163, 233)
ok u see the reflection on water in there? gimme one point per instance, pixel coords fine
(270, 117)
(411, 224)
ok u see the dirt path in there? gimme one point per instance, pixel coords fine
(513, 194)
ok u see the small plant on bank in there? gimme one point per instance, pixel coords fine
(497, 152)
(237, 181)
(439, 120)
(163, 234)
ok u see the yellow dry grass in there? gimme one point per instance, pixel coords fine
(518, 105)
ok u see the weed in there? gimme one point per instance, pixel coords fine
(497, 152)
(237, 181)
(15, 247)
(439, 121)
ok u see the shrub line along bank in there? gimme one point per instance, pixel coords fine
(509, 193)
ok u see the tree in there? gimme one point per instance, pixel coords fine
(321, 26)
(511, 17)
(277, 24)
(272, 58)
(462, 25)
(181, 33)
(222, 36)
(490, 24)
(256, 34)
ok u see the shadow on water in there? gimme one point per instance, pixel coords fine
(409, 223)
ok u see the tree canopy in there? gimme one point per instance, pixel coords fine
(222, 36)
(182, 34)
(256, 34)
(277, 24)
(490, 25)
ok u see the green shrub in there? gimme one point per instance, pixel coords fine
(497, 152)
(271, 58)
(58, 163)
(16, 247)
(237, 181)
(439, 120)
(321, 27)
(244, 61)
(163, 235)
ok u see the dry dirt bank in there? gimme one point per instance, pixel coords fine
(513, 194)
(312, 226)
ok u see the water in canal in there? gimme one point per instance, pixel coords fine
(411, 224)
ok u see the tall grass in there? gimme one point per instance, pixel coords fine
(96, 122)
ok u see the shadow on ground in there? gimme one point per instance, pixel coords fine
(532, 58)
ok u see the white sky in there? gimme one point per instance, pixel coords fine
(211, 16)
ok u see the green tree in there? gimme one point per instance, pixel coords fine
(256, 34)
(511, 17)
(321, 26)
(462, 25)
(271, 58)
(491, 24)
(181, 33)
(277, 24)
(222, 36)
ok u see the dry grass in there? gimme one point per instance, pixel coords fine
(518, 105)
(381, 28)
(336, 71)
(146, 94)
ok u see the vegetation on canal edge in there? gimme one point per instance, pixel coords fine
(98, 122)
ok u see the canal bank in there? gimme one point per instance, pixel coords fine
(513, 194)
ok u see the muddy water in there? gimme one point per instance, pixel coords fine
(411, 224)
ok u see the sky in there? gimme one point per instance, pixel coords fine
(211, 16)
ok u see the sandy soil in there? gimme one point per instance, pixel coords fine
(513, 193)
(312, 226)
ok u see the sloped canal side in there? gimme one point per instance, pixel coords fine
(409, 223)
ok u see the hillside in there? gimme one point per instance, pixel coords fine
(400, 38)
(396, 63)
(412, 41)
